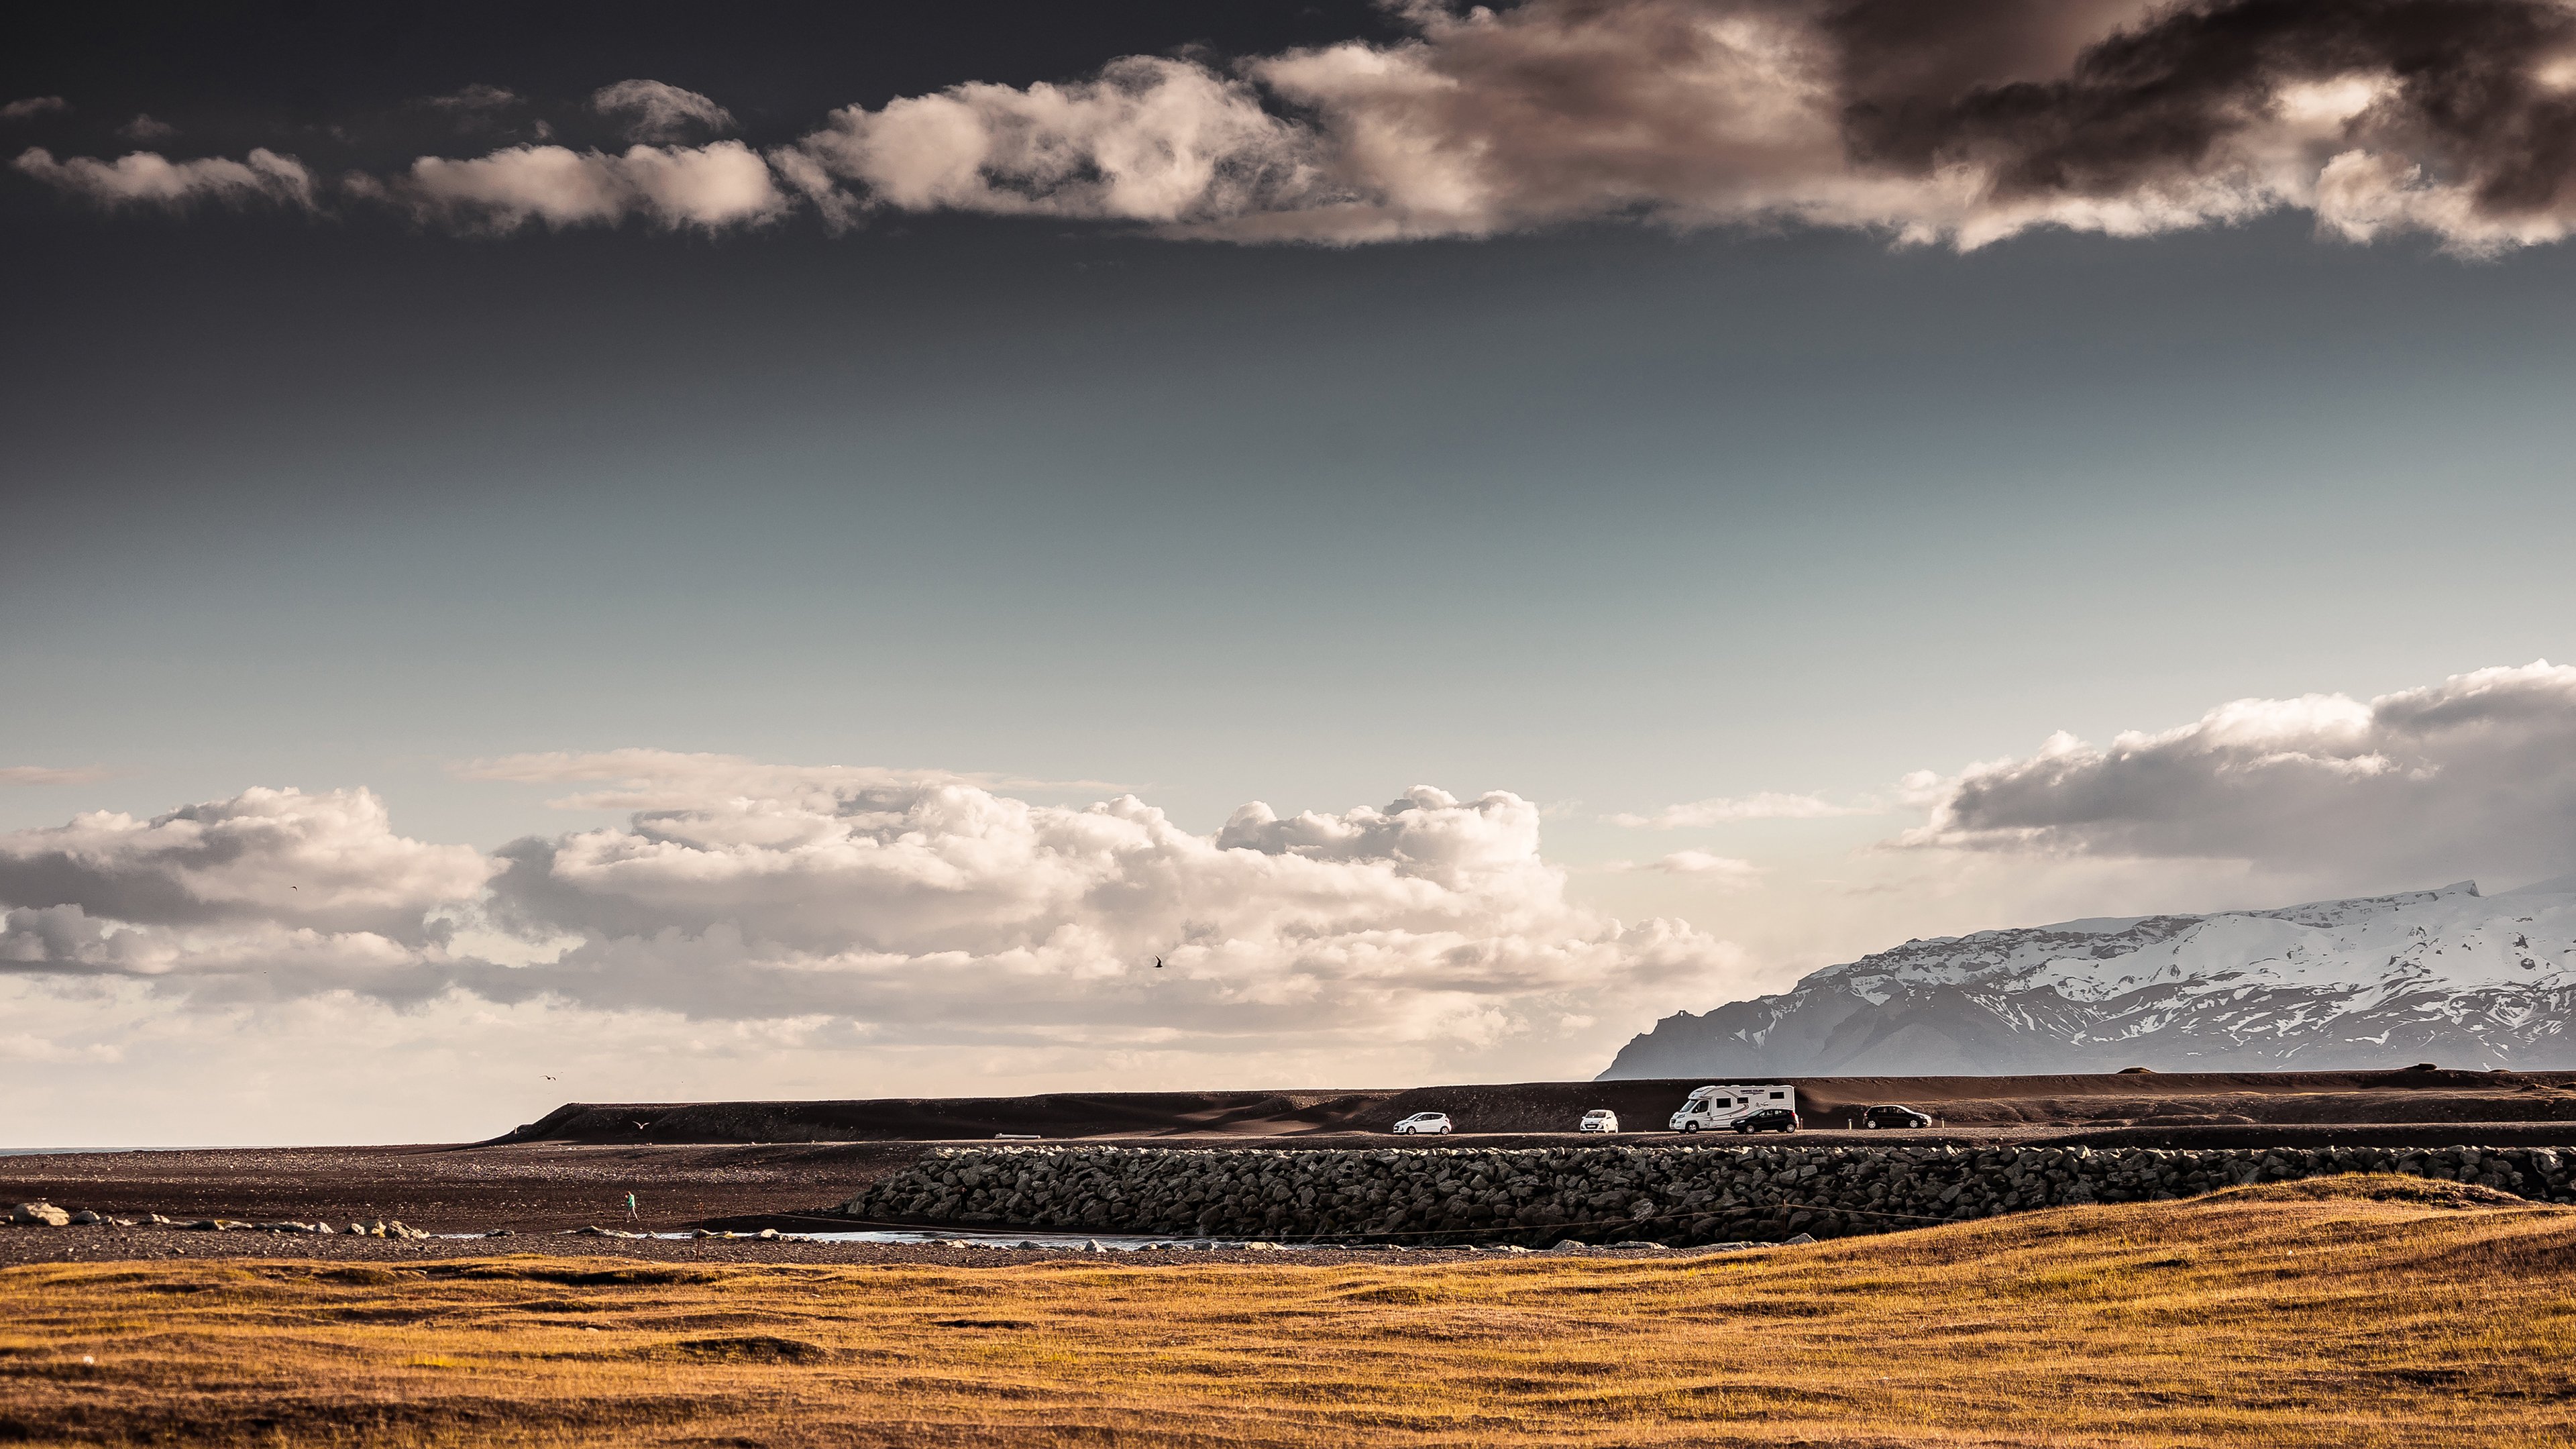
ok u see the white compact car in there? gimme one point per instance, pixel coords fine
(1599, 1119)
(1421, 1122)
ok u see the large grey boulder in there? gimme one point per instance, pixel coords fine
(39, 1214)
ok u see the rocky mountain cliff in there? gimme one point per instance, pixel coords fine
(2445, 976)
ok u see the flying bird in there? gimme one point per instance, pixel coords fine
(1158, 963)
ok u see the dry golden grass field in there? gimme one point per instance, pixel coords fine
(2378, 1311)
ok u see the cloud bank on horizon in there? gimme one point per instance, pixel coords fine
(932, 919)
(1959, 124)
(879, 908)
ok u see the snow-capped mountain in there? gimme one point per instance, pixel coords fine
(2446, 976)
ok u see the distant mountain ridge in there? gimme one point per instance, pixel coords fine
(2447, 976)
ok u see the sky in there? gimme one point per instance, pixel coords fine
(606, 553)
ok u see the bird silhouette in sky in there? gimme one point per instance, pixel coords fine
(1158, 963)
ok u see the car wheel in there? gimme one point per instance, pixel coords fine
(1444, 1131)
(1689, 1127)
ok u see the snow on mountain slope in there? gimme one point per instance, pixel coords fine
(2448, 976)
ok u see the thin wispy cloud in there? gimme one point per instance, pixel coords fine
(45, 1051)
(649, 779)
(1769, 805)
(1700, 865)
(477, 99)
(30, 107)
(54, 774)
(655, 111)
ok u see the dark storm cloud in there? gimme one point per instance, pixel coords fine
(2480, 92)
(1957, 122)
(1962, 122)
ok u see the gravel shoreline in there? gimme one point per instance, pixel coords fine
(34, 1246)
(539, 1190)
(532, 1189)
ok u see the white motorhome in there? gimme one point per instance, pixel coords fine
(1709, 1108)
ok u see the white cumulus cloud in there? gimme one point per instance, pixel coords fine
(1148, 139)
(885, 911)
(707, 188)
(2475, 775)
(938, 898)
(147, 178)
(328, 862)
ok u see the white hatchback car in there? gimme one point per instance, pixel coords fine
(1421, 1122)
(1599, 1119)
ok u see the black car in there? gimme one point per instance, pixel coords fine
(1894, 1116)
(1769, 1119)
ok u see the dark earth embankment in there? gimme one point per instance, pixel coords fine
(2116, 1100)
(541, 1188)
(750, 1164)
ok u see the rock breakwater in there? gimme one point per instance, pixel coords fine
(1601, 1194)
